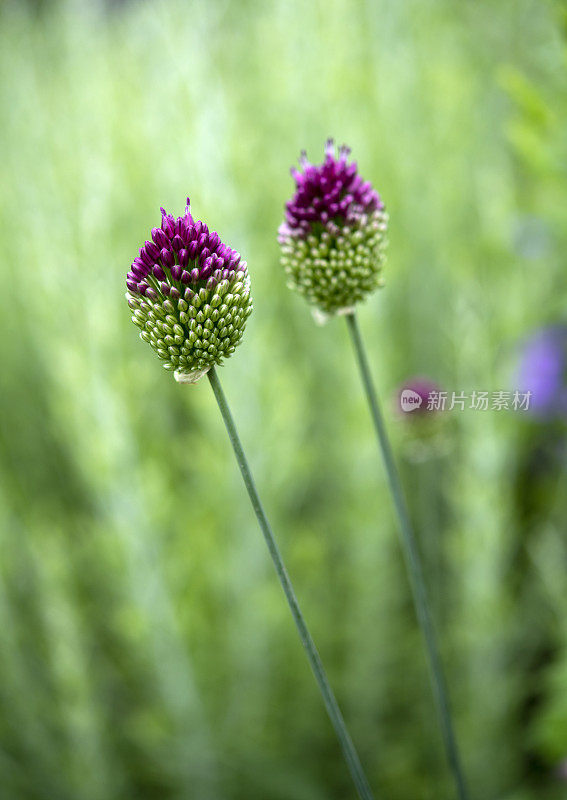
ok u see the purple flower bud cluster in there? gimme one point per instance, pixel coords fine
(329, 192)
(182, 253)
(333, 237)
(190, 296)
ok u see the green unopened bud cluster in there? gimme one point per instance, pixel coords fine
(192, 333)
(335, 267)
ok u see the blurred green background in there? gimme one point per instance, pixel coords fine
(145, 647)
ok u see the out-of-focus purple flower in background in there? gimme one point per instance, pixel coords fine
(543, 372)
(561, 771)
(413, 396)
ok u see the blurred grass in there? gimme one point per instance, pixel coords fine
(146, 651)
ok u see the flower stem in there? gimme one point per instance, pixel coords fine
(413, 562)
(349, 752)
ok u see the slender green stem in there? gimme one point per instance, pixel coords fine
(413, 561)
(349, 752)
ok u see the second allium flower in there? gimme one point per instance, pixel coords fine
(334, 234)
(190, 295)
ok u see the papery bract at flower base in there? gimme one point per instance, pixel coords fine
(334, 234)
(190, 295)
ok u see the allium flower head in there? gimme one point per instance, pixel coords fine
(334, 234)
(190, 295)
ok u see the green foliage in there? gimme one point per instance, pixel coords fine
(146, 650)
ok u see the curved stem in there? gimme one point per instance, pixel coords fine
(414, 566)
(349, 752)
